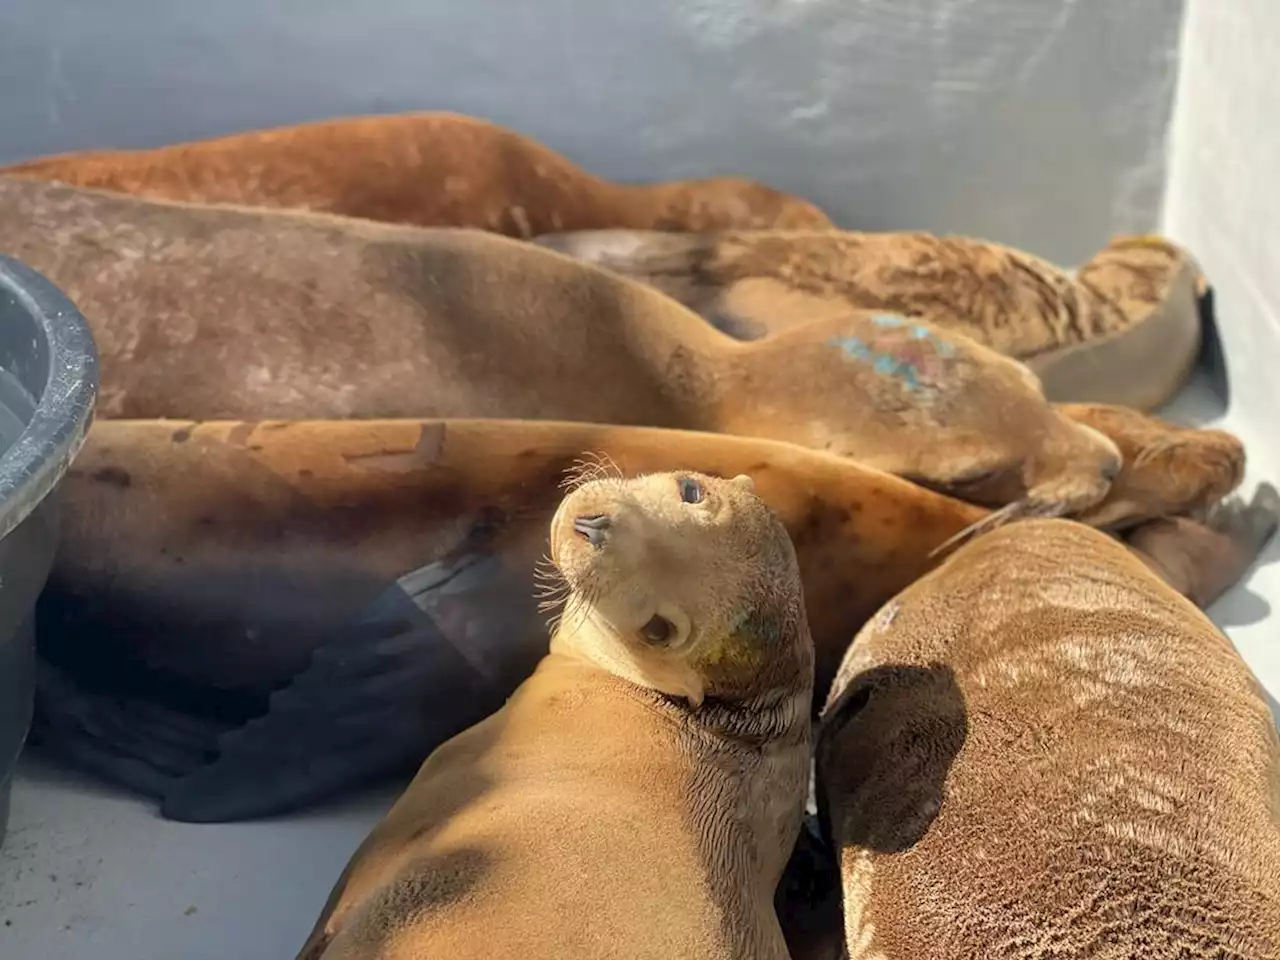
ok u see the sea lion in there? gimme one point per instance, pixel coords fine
(638, 795)
(432, 169)
(1125, 329)
(1168, 469)
(244, 618)
(215, 313)
(1042, 749)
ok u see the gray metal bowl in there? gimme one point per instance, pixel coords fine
(48, 386)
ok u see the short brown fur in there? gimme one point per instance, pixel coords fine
(429, 169)
(218, 557)
(639, 794)
(1125, 329)
(1040, 750)
(224, 313)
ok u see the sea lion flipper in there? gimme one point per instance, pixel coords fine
(378, 695)
(142, 746)
(363, 708)
(1204, 560)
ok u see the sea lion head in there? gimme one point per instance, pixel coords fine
(684, 583)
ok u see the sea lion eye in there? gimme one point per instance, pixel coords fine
(690, 490)
(657, 630)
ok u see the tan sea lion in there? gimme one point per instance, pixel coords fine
(637, 796)
(225, 313)
(232, 602)
(1040, 749)
(431, 169)
(1125, 328)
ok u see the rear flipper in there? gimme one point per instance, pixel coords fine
(1203, 561)
(378, 696)
(127, 741)
(439, 650)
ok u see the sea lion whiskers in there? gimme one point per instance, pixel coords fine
(625, 549)
(1025, 509)
(588, 467)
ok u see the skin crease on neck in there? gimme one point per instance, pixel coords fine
(637, 796)
(428, 169)
(1116, 752)
(232, 561)
(394, 321)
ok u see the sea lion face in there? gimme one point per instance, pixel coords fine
(682, 582)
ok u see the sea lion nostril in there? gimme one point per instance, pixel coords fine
(592, 528)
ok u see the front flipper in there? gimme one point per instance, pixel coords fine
(442, 648)
(438, 650)
(124, 739)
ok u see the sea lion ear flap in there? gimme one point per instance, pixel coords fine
(744, 482)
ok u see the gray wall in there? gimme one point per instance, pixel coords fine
(1224, 195)
(1224, 204)
(1036, 122)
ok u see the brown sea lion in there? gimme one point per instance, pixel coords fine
(1040, 749)
(1167, 469)
(226, 313)
(431, 169)
(247, 617)
(1125, 329)
(638, 795)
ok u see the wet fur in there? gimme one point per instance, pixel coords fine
(429, 169)
(604, 815)
(1040, 749)
(1124, 329)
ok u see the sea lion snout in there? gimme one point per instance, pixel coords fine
(593, 528)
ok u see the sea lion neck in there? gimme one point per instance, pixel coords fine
(780, 715)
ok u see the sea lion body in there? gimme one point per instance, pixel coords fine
(433, 169)
(1124, 329)
(1041, 749)
(232, 600)
(638, 796)
(215, 313)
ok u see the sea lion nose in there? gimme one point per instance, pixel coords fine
(592, 528)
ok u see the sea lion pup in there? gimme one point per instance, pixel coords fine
(1041, 749)
(231, 313)
(1125, 329)
(433, 169)
(637, 796)
(231, 601)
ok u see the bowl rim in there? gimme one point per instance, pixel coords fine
(41, 454)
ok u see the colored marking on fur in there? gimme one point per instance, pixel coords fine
(910, 353)
(885, 364)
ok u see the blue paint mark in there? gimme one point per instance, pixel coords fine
(887, 320)
(919, 333)
(852, 346)
(883, 363)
